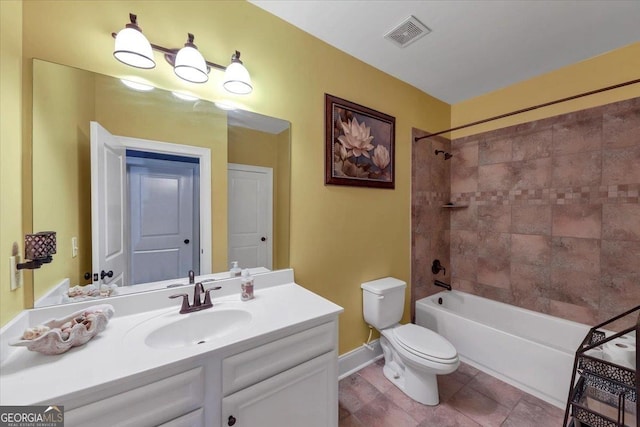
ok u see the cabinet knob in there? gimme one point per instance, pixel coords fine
(231, 421)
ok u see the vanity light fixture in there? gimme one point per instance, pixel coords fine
(236, 77)
(133, 48)
(38, 249)
(189, 64)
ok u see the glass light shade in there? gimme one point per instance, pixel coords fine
(237, 79)
(133, 48)
(189, 65)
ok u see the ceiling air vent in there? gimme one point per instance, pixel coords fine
(407, 32)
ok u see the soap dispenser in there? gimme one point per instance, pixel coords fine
(246, 286)
(235, 270)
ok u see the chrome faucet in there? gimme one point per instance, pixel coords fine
(442, 284)
(198, 304)
(192, 277)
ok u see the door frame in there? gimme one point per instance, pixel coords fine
(204, 157)
(269, 173)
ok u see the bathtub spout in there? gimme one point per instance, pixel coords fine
(442, 284)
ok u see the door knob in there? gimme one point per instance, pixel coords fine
(104, 274)
(186, 241)
(231, 421)
(263, 239)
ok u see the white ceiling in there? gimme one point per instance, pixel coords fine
(475, 46)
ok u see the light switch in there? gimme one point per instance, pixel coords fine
(16, 275)
(74, 247)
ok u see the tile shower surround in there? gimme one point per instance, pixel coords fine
(553, 222)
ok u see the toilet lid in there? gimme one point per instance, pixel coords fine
(425, 343)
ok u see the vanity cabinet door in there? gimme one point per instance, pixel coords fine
(305, 395)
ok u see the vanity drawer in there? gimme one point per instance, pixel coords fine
(149, 405)
(252, 366)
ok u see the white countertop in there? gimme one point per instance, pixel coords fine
(28, 377)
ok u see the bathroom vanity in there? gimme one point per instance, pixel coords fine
(271, 361)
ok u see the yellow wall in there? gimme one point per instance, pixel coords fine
(618, 66)
(11, 302)
(63, 105)
(252, 147)
(340, 236)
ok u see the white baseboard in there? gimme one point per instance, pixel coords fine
(357, 359)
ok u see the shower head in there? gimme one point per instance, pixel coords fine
(447, 156)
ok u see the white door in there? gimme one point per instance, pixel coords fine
(250, 215)
(305, 395)
(108, 206)
(164, 232)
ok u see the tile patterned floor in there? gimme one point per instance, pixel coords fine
(468, 398)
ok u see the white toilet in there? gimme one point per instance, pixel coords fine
(413, 355)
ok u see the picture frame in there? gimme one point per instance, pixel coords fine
(359, 145)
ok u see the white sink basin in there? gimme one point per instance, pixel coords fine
(197, 328)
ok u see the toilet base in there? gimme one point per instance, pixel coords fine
(420, 386)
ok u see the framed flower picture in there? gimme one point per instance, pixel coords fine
(360, 145)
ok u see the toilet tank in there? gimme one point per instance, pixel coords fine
(383, 302)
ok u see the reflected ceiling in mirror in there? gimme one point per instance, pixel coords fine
(66, 100)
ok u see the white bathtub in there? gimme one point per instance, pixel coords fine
(527, 349)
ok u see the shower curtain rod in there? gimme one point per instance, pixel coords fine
(535, 107)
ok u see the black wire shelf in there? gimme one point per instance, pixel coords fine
(603, 393)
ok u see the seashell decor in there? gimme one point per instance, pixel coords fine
(58, 335)
(88, 292)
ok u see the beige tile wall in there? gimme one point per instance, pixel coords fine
(553, 222)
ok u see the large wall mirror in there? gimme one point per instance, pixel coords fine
(166, 183)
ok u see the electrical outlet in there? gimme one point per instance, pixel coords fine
(74, 247)
(16, 275)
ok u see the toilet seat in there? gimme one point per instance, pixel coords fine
(425, 344)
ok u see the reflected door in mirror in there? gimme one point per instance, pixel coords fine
(164, 218)
(250, 219)
(108, 205)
